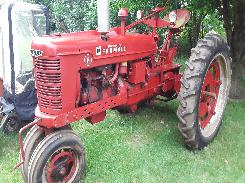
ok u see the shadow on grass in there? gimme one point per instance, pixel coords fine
(158, 122)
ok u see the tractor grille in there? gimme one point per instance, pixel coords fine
(48, 79)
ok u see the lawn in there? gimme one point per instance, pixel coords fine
(146, 147)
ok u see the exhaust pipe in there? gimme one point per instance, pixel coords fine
(103, 12)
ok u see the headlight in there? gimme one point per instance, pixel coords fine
(172, 17)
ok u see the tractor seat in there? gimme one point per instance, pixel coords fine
(182, 17)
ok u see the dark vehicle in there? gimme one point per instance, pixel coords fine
(20, 22)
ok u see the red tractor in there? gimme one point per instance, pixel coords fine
(81, 75)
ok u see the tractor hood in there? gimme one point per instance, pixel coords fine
(90, 42)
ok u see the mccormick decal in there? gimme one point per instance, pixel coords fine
(110, 49)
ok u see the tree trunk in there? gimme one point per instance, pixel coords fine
(238, 51)
(225, 11)
(195, 29)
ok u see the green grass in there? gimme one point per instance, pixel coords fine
(146, 147)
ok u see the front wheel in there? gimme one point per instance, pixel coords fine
(59, 157)
(204, 91)
(32, 139)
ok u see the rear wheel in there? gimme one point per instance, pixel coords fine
(59, 157)
(204, 91)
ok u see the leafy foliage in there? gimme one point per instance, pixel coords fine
(82, 15)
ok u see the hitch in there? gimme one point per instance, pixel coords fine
(22, 130)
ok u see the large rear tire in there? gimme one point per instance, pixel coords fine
(204, 91)
(59, 157)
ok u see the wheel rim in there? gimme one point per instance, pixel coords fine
(213, 95)
(11, 124)
(62, 166)
(209, 94)
(1, 113)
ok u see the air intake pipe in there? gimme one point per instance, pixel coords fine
(103, 12)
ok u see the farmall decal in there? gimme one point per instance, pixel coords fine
(110, 49)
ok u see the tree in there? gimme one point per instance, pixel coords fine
(198, 10)
(232, 12)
